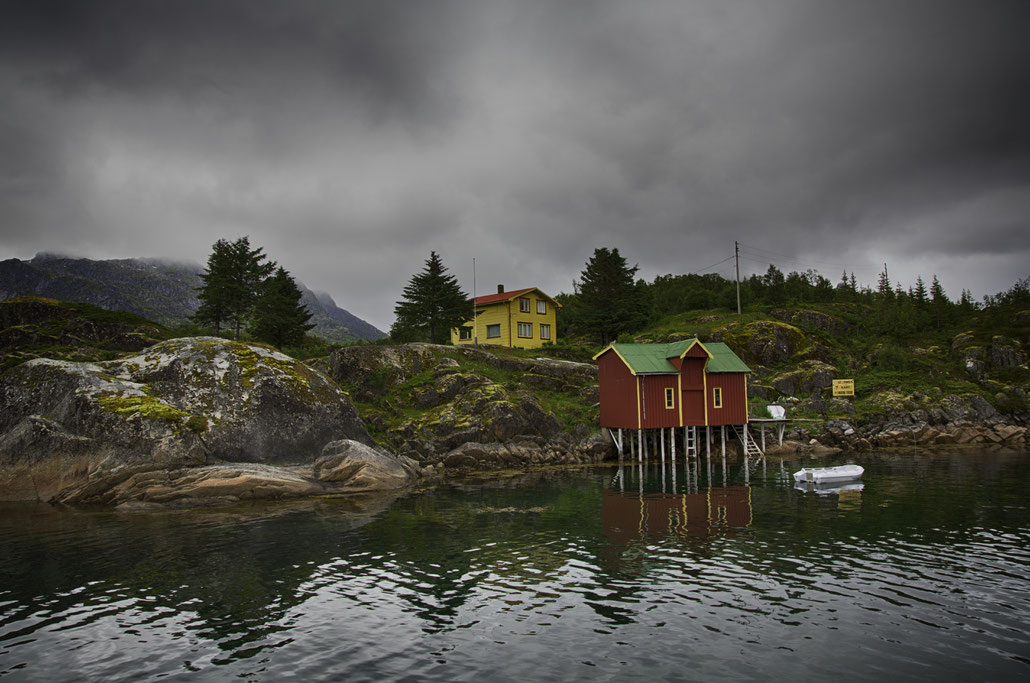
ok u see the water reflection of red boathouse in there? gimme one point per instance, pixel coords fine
(629, 517)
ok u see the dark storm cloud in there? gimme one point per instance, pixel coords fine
(350, 138)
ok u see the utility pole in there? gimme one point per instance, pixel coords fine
(736, 254)
(475, 320)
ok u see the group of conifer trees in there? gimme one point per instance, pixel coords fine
(608, 302)
(245, 292)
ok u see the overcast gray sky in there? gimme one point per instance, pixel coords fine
(351, 138)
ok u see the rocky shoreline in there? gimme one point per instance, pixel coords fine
(206, 421)
(954, 421)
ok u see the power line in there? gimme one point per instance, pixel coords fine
(812, 264)
(728, 258)
(804, 264)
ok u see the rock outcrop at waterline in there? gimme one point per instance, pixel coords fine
(121, 430)
(950, 420)
(459, 408)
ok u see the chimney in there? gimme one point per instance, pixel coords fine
(500, 289)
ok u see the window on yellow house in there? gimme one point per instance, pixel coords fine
(717, 397)
(670, 401)
(545, 331)
(526, 330)
(541, 306)
(493, 331)
(464, 333)
(524, 305)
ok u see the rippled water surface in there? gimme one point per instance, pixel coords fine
(685, 573)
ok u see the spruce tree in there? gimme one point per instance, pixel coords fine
(231, 284)
(432, 305)
(213, 294)
(611, 303)
(939, 303)
(919, 293)
(279, 317)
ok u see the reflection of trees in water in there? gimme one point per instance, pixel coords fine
(238, 575)
(236, 570)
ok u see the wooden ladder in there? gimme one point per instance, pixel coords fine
(751, 448)
(690, 441)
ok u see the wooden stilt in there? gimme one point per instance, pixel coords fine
(724, 441)
(662, 437)
(640, 445)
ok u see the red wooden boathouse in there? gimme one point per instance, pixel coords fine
(684, 384)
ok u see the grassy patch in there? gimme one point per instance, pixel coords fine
(149, 407)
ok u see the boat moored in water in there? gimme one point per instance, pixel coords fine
(828, 475)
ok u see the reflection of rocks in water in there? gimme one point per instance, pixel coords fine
(494, 511)
(231, 571)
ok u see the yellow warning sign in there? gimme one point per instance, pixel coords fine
(843, 387)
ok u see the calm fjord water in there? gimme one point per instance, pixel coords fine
(656, 573)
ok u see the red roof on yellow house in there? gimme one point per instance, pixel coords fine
(503, 296)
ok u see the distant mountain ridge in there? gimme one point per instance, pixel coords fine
(162, 291)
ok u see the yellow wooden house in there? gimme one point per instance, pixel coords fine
(522, 318)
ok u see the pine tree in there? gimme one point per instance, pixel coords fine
(939, 303)
(919, 293)
(279, 317)
(433, 304)
(213, 296)
(883, 286)
(611, 303)
(231, 284)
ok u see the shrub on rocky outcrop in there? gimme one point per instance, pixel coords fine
(425, 401)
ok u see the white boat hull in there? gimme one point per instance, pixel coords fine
(828, 475)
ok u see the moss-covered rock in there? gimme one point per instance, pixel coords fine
(426, 400)
(808, 376)
(813, 320)
(75, 430)
(764, 342)
(35, 327)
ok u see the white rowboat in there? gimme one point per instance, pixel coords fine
(827, 475)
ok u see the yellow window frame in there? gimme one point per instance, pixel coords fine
(717, 397)
(670, 399)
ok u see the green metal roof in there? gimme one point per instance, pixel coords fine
(723, 359)
(645, 359)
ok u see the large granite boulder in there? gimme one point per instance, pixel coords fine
(70, 431)
(355, 465)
